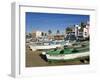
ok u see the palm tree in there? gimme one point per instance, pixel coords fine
(82, 25)
(45, 34)
(68, 29)
(58, 31)
(49, 31)
(42, 34)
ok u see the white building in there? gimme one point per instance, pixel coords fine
(86, 31)
(77, 32)
(36, 34)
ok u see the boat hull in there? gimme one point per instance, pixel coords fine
(67, 56)
(34, 48)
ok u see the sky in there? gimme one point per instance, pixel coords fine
(52, 21)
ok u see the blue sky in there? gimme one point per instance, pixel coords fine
(52, 21)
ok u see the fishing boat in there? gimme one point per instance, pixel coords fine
(48, 45)
(66, 53)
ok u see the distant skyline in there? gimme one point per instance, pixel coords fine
(52, 21)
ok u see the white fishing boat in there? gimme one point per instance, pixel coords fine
(47, 45)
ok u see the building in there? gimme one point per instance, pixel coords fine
(36, 34)
(77, 31)
(75, 34)
(86, 31)
(28, 35)
(59, 37)
(70, 36)
(50, 37)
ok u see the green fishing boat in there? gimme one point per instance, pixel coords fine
(66, 53)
